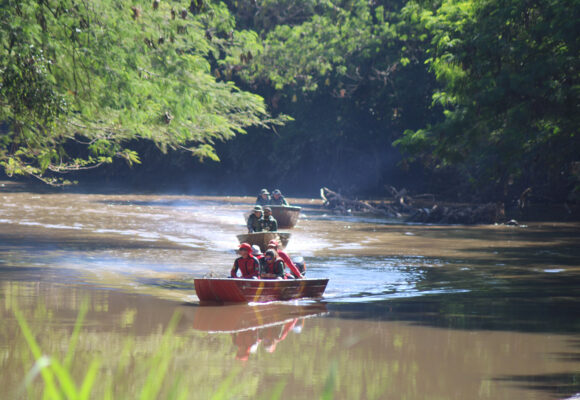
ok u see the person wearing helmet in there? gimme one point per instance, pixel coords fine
(269, 223)
(248, 265)
(257, 252)
(286, 258)
(255, 220)
(278, 199)
(272, 266)
(263, 198)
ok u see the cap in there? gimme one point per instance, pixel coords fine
(258, 208)
(276, 191)
(267, 209)
(256, 250)
(264, 191)
(246, 246)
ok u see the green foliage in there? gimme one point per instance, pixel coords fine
(86, 78)
(483, 91)
(509, 72)
(352, 74)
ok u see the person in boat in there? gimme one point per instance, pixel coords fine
(269, 223)
(278, 199)
(257, 252)
(272, 266)
(273, 245)
(255, 220)
(263, 198)
(247, 264)
(300, 264)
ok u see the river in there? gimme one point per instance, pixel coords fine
(410, 312)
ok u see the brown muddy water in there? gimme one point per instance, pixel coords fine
(410, 312)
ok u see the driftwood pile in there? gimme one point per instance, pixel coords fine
(421, 208)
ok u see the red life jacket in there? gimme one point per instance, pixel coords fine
(249, 267)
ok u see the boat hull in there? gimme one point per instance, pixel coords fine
(287, 216)
(234, 290)
(261, 239)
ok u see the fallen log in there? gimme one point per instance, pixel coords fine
(402, 206)
(336, 202)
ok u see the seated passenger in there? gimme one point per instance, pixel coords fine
(248, 265)
(255, 220)
(257, 252)
(272, 266)
(269, 223)
(263, 198)
(273, 245)
(278, 199)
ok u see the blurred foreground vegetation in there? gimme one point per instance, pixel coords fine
(469, 99)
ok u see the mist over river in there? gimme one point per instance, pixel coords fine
(410, 312)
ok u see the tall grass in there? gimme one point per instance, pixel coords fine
(59, 383)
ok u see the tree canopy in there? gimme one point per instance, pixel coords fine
(92, 76)
(478, 96)
(509, 75)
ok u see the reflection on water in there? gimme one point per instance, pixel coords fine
(283, 344)
(253, 325)
(411, 311)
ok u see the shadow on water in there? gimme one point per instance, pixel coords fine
(546, 254)
(563, 384)
(569, 234)
(537, 303)
(526, 302)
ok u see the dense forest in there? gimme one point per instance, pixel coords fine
(471, 100)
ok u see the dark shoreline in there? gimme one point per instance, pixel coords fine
(532, 212)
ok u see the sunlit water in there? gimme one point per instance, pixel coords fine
(410, 312)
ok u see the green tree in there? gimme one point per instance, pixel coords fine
(510, 76)
(351, 72)
(80, 79)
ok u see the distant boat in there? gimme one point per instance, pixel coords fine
(262, 239)
(287, 216)
(235, 290)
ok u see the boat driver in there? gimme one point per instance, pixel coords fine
(278, 199)
(269, 223)
(287, 260)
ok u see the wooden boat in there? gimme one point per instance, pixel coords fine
(235, 290)
(263, 238)
(287, 216)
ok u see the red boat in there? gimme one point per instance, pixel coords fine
(236, 290)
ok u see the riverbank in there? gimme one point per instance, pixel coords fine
(426, 209)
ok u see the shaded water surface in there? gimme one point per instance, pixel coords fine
(411, 311)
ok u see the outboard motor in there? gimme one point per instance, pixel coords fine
(299, 262)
